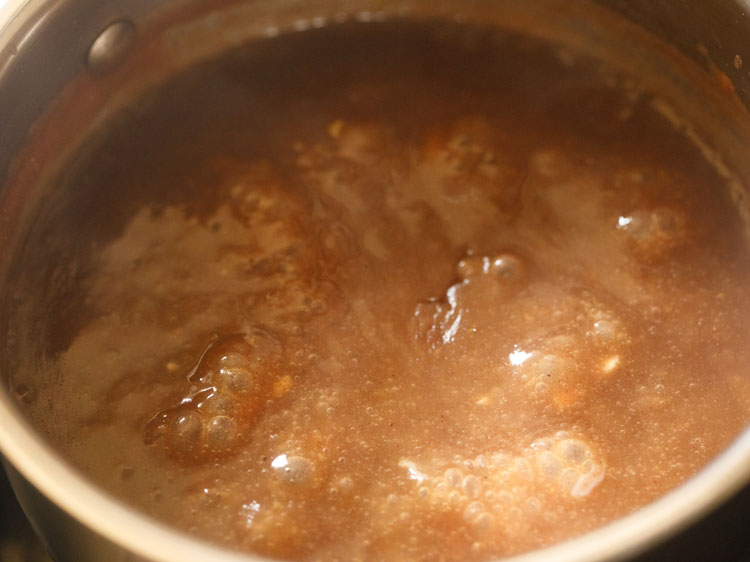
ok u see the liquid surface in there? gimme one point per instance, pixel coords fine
(394, 292)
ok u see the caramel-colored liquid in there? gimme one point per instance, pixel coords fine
(397, 291)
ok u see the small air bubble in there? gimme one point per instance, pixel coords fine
(186, 431)
(549, 465)
(221, 432)
(484, 522)
(504, 497)
(293, 469)
(346, 484)
(568, 478)
(218, 403)
(506, 266)
(499, 460)
(235, 380)
(533, 505)
(543, 444)
(472, 511)
(453, 476)
(653, 230)
(523, 469)
(472, 266)
(604, 329)
(472, 486)
(573, 450)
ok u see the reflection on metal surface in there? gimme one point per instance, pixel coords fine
(110, 48)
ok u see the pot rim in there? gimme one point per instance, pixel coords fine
(125, 526)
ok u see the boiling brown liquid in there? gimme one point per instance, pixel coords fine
(395, 291)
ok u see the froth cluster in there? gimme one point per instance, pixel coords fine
(227, 388)
(501, 492)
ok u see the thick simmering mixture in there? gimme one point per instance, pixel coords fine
(393, 291)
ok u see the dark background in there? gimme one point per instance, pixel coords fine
(724, 536)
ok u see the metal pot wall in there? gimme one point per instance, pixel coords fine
(44, 45)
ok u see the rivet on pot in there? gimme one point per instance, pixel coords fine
(110, 48)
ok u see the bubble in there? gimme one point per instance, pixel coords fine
(453, 476)
(218, 403)
(221, 433)
(588, 481)
(573, 450)
(263, 344)
(346, 484)
(472, 266)
(568, 478)
(483, 523)
(541, 368)
(605, 329)
(542, 444)
(523, 468)
(233, 360)
(293, 469)
(472, 486)
(186, 431)
(549, 465)
(533, 505)
(234, 380)
(504, 496)
(506, 266)
(653, 230)
(473, 510)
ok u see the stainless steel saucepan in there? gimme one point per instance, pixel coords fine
(693, 49)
